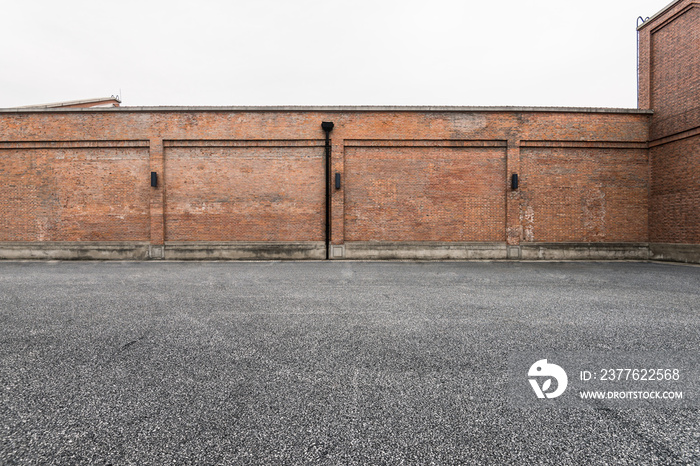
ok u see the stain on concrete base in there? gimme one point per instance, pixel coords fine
(689, 253)
(584, 251)
(59, 250)
(261, 250)
(424, 250)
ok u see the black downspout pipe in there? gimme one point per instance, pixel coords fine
(328, 127)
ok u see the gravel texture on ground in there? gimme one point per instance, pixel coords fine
(328, 362)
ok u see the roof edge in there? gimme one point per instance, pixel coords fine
(358, 108)
(84, 103)
(658, 13)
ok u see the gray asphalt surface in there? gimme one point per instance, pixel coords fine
(327, 363)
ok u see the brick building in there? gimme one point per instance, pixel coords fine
(403, 182)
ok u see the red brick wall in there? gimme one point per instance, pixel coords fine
(244, 193)
(574, 194)
(675, 73)
(257, 175)
(675, 201)
(425, 194)
(73, 192)
(669, 77)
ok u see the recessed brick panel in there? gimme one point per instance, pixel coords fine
(425, 194)
(244, 194)
(74, 194)
(675, 193)
(584, 194)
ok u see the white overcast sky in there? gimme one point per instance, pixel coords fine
(330, 52)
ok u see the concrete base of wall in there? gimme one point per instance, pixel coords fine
(361, 250)
(424, 250)
(675, 252)
(584, 251)
(262, 250)
(495, 251)
(94, 250)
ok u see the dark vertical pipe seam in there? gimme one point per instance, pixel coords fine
(327, 126)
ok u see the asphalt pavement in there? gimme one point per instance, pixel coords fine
(329, 362)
